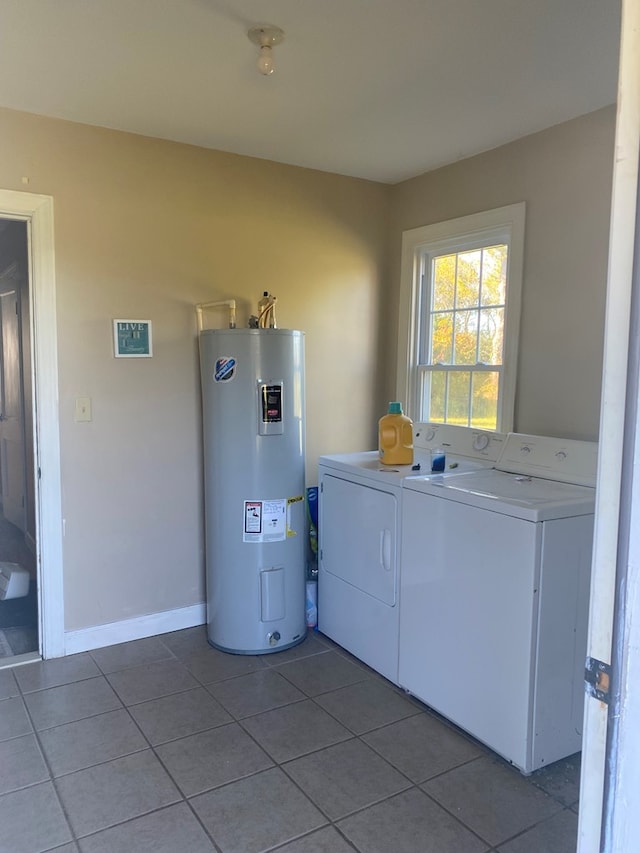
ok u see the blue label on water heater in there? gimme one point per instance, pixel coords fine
(225, 369)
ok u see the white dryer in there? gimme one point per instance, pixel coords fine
(359, 537)
(494, 597)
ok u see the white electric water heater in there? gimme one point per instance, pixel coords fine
(254, 446)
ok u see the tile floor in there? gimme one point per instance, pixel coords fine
(170, 746)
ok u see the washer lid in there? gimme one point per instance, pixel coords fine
(530, 498)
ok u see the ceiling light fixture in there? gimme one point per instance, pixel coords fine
(266, 36)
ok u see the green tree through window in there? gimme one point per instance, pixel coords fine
(461, 285)
(466, 328)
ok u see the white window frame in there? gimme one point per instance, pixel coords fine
(419, 246)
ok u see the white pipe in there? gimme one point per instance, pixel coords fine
(205, 306)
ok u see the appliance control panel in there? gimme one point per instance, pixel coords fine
(270, 421)
(458, 440)
(563, 459)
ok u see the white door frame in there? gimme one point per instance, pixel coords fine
(598, 760)
(37, 212)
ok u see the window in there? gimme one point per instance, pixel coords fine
(459, 319)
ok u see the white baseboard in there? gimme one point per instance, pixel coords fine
(112, 633)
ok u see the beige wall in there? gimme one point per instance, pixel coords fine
(145, 229)
(564, 176)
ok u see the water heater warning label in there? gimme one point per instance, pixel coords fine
(265, 521)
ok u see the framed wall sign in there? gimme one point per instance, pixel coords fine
(132, 339)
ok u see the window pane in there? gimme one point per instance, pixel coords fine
(484, 400)
(458, 398)
(494, 275)
(462, 271)
(441, 339)
(466, 340)
(468, 284)
(491, 335)
(434, 396)
(444, 280)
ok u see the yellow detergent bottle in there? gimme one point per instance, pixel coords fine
(395, 437)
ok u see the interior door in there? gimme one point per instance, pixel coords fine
(12, 449)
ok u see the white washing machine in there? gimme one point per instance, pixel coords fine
(494, 597)
(359, 537)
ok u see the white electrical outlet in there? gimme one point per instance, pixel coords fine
(83, 409)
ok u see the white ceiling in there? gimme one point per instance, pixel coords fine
(377, 89)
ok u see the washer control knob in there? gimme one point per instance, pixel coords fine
(561, 455)
(430, 434)
(481, 441)
(525, 450)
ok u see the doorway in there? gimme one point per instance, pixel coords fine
(35, 213)
(19, 617)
